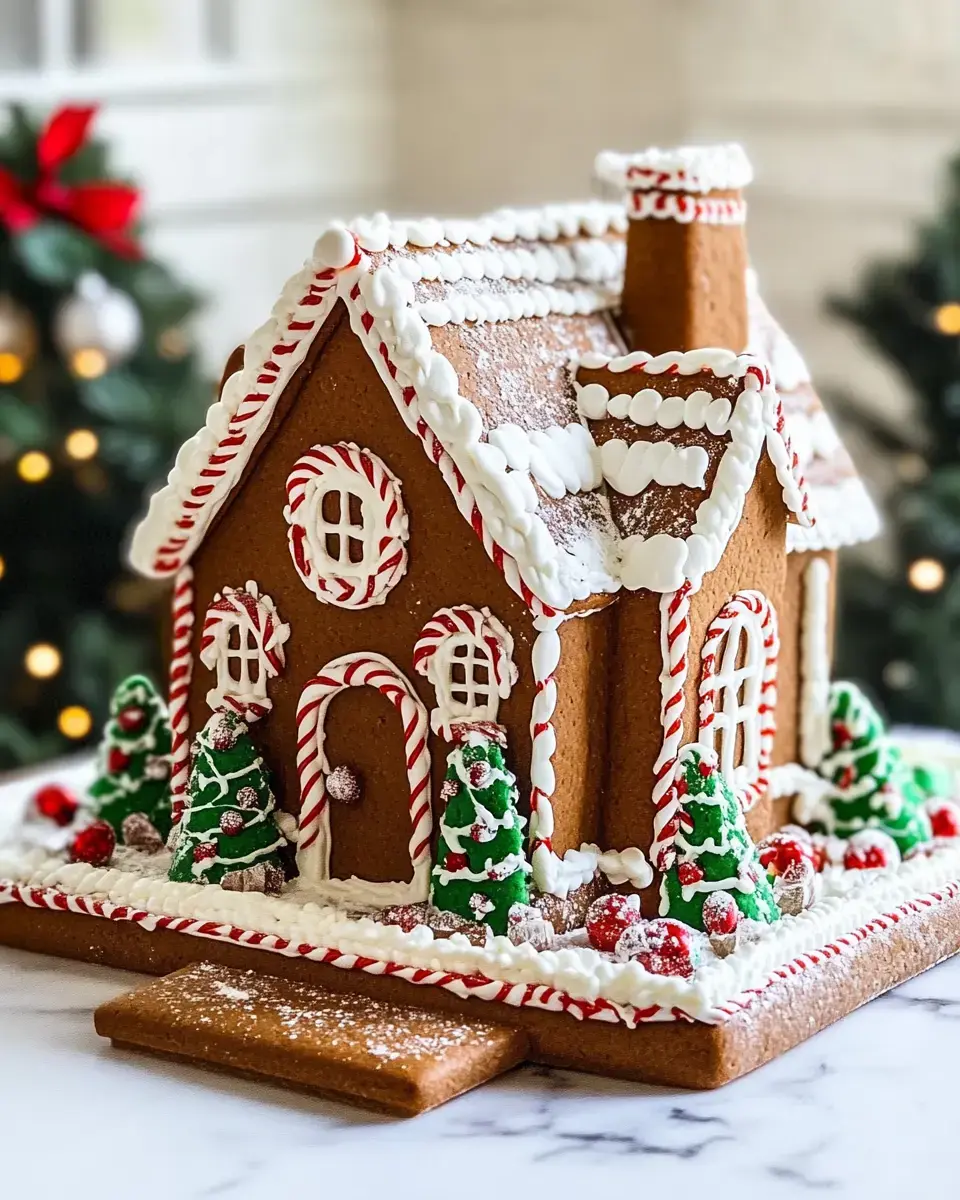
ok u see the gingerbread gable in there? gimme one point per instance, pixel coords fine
(473, 327)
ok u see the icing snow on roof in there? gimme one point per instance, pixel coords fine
(443, 309)
(686, 168)
(843, 511)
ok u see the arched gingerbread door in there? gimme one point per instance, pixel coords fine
(375, 813)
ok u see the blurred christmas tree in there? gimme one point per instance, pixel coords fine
(901, 628)
(98, 387)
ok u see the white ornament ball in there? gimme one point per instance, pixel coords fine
(98, 317)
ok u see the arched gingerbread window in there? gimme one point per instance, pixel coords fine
(347, 525)
(467, 654)
(242, 641)
(738, 692)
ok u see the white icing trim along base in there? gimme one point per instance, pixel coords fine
(853, 905)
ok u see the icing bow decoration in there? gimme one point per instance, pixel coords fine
(103, 209)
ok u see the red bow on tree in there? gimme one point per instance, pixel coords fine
(103, 210)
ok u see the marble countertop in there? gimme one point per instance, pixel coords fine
(866, 1108)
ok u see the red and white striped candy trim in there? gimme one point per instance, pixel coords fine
(478, 623)
(346, 469)
(754, 612)
(476, 986)
(674, 644)
(247, 423)
(686, 209)
(244, 608)
(355, 670)
(481, 987)
(178, 696)
(408, 403)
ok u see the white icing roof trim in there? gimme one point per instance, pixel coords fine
(684, 169)
(663, 562)
(591, 217)
(845, 516)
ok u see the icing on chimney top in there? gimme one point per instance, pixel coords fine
(684, 282)
(693, 169)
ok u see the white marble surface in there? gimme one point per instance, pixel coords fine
(866, 1108)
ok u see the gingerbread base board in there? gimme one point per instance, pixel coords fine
(398, 1059)
(680, 1053)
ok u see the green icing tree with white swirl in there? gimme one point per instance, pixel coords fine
(229, 832)
(133, 775)
(872, 786)
(481, 870)
(714, 851)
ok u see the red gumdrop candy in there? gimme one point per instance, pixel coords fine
(720, 913)
(671, 948)
(57, 803)
(780, 850)
(608, 917)
(944, 818)
(94, 845)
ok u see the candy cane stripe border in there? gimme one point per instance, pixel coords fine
(481, 987)
(181, 673)
(346, 467)
(356, 670)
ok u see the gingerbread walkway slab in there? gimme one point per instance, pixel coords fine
(396, 1058)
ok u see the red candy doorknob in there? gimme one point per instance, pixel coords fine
(57, 803)
(94, 845)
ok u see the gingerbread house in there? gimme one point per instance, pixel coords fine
(487, 471)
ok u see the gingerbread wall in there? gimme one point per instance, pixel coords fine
(338, 396)
(755, 558)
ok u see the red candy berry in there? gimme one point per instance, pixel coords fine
(455, 862)
(57, 803)
(117, 760)
(944, 818)
(231, 822)
(608, 917)
(689, 873)
(869, 850)
(479, 773)
(204, 851)
(780, 850)
(720, 914)
(131, 719)
(94, 845)
(668, 948)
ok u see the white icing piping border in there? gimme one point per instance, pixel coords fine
(681, 169)
(662, 562)
(613, 992)
(815, 662)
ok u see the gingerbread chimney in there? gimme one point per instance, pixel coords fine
(685, 281)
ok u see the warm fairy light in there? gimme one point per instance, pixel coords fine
(81, 444)
(74, 721)
(12, 367)
(42, 660)
(3, 566)
(34, 466)
(926, 574)
(947, 318)
(89, 363)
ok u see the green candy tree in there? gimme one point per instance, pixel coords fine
(480, 871)
(872, 787)
(714, 851)
(134, 761)
(229, 833)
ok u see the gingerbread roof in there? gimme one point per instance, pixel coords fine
(473, 326)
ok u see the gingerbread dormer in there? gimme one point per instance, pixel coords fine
(684, 285)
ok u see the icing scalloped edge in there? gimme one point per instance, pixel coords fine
(850, 901)
(682, 169)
